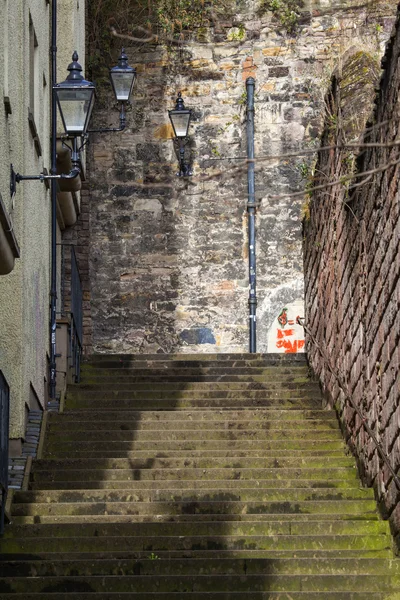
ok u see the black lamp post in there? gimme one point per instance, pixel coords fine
(180, 120)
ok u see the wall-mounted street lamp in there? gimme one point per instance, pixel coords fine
(123, 78)
(180, 120)
(75, 99)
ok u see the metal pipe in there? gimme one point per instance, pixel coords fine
(53, 171)
(251, 215)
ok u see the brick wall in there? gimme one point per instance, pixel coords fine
(352, 269)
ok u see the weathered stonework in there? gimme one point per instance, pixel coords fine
(352, 273)
(168, 257)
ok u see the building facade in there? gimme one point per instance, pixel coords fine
(25, 218)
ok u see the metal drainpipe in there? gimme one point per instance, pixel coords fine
(251, 212)
(53, 288)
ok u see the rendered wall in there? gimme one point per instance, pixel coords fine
(24, 293)
(168, 257)
(352, 274)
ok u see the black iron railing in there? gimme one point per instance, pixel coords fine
(72, 306)
(4, 435)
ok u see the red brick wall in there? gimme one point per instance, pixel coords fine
(352, 268)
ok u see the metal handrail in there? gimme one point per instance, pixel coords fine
(4, 435)
(350, 400)
(73, 307)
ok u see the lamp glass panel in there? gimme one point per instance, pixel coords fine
(76, 107)
(180, 122)
(123, 83)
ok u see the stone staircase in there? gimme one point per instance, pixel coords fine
(196, 477)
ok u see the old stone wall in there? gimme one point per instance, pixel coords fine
(352, 270)
(168, 256)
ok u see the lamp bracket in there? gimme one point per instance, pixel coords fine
(184, 167)
(122, 121)
(17, 178)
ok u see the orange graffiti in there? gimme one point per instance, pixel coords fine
(282, 333)
(290, 346)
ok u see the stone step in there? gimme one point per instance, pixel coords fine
(205, 583)
(107, 470)
(200, 484)
(200, 463)
(133, 375)
(274, 447)
(200, 431)
(193, 376)
(270, 377)
(194, 566)
(277, 526)
(279, 417)
(237, 450)
(193, 543)
(270, 595)
(195, 518)
(198, 505)
(58, 426)
(275, 359)
(192, 495)
(193, 434)
(173, 477)
(171, 388)
(182, 403)
(140, 362)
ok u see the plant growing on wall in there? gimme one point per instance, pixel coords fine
(285, 12)
(149, 21)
